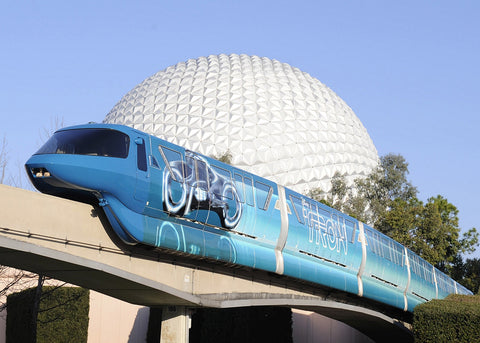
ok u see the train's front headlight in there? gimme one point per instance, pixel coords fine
(40, 172)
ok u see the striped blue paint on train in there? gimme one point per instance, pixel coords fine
(163, 195)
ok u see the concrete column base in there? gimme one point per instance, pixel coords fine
(175, 324)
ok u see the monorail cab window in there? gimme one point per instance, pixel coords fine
(92, 142)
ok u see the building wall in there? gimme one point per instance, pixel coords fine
(113, 320)
(310, 327)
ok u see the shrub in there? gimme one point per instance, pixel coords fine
(453, 319)
(62, 315)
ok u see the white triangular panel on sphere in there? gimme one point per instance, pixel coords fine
(276, 121)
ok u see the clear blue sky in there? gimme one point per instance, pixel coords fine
(409, 69)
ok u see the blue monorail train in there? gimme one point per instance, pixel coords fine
(160, 194)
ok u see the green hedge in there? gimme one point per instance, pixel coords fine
(62, 317)
(454, 319)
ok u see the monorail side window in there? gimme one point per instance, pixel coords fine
(297, 207)
(351, 226)
(415, 264)
(222, 177)
(397, 253)
(249, 198)
(391, 251)
(425, 270)
(202, 175)
(153, 162)
(264, 194)
(443, 283)
(173, 162)
(323, 212)
(372, 241)
(239, 186)
(375, 245)
(428, 275)
(382, 249)
(387, 247)
(190, 170)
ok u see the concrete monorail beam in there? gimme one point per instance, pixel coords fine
(72, 241)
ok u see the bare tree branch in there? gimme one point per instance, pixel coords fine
(13, 280)
(56, 123)
(3, 159)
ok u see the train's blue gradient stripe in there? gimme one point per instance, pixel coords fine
(192, 204)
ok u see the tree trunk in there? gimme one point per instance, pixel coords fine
(36, 305)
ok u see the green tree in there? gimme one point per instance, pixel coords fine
(226, 157)
(430, 230)
(401, 221)
(370, 197)
(338, 195)
(467, 273)
(386, 200)
(379, 189)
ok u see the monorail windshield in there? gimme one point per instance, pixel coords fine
(93, 142)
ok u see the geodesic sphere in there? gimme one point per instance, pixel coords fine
(277, 121)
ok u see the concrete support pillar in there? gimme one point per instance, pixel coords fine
(175, 324)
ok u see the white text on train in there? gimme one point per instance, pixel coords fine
(329, 231)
